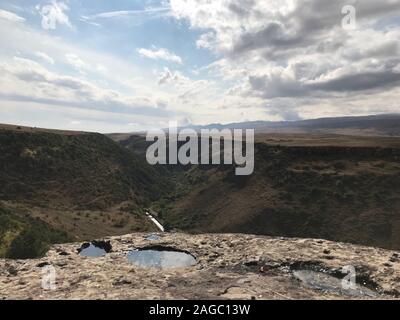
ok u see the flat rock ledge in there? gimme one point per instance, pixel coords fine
(229, 266)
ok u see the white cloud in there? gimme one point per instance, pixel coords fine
(54, 14)
(43, 56)
(125, 13)
(290, 56)
(75, 61)
(160, 54)
(130, 17)
(101, 68)
(7, 15)
(167, 76)
(26, 80)
(124, 93)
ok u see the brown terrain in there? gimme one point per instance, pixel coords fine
(326, 140)
(228, 266)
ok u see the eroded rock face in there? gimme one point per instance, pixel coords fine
(228, 267)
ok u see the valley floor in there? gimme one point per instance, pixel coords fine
(229, 266)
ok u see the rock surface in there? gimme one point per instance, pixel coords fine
(229, 266)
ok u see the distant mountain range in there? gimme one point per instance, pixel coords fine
(385, 124)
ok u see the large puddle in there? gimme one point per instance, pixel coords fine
(161, 258)
(94, 249)
(326, 283)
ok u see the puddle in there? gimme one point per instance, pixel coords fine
(161, 258)
(326, 283)
(153, 237)
(94, 249)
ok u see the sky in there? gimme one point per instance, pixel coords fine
(130, 65)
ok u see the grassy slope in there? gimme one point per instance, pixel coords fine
(85, 184)
(339, 193)
(87, 170)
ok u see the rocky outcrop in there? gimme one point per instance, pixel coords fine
(229, 266)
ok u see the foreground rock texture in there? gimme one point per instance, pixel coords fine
(229, 266)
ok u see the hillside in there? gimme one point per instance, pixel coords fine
(82, 183)
(87, 171)
(341, 188)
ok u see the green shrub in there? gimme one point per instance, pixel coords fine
(34, 241)
(31, 238)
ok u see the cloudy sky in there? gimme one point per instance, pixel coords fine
(130, 65)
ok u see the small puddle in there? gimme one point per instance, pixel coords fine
(161, 258)
(324, 282)
(94, 249)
